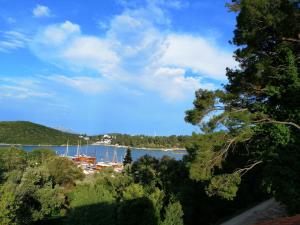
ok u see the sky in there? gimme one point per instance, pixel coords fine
(126, 66)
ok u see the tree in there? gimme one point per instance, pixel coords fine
(258, 111)
(92, 203)
(174, 214)
(128, 158)
(32, 198)
(38, 156)
(12, 159)
(63, 171)
(8, 205)
(145, 170)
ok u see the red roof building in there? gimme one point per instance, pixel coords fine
(294, 220)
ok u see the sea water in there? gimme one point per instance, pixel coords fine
(106, 153)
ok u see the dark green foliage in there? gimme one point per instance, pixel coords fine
(128, 158)
(203, 154)
(28, 133)
(145, 169)
(109, 198)
(225, 185)
(92, 204)
(138, 211)
(282, 176)
(173, 215)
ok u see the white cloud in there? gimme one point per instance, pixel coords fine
(58, 34)
(41, 11)
(136, 49)
(19, 92)
(12, 40)
(171, 83)
(87, 85)
(63, 44)
(91, 53)
(70, 27)
(198, 54)
(22, 89)
(49, 87)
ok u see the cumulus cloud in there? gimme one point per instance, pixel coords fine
(64, 44)
(170, 82)
(41, 11)
(90, 52)
(198, 54)
(56, 35)
(137, 48)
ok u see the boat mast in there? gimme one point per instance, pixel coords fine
(106, 156)
(78, 149)
(67, 149)
(87, 145)
(115, 157)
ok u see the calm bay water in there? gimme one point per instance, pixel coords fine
(106, 153)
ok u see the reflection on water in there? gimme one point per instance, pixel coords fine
(105, 153)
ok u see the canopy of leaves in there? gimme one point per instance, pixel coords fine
(258, 110)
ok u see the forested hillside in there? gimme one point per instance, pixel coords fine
(172, 141)
(22, 132)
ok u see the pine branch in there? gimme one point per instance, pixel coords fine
(278, 122)
(243, 171)
(291, 39)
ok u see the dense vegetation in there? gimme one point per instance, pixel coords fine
(40, 188)
(172, 141)
(21, 132)
(33, 185)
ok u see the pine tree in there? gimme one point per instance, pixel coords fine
(128, 158)
(257, 115)
(173, 214)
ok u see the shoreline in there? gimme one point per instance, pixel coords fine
(145, 148)
(116, 146)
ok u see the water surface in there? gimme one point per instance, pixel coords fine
(106, 153)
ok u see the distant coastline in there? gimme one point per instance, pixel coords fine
(116, 146)
(144, 148)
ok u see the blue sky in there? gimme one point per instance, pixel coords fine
(111, 65)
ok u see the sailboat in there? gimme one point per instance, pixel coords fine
(66, 150)
(84, 158)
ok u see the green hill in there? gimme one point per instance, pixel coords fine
(22, 132)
